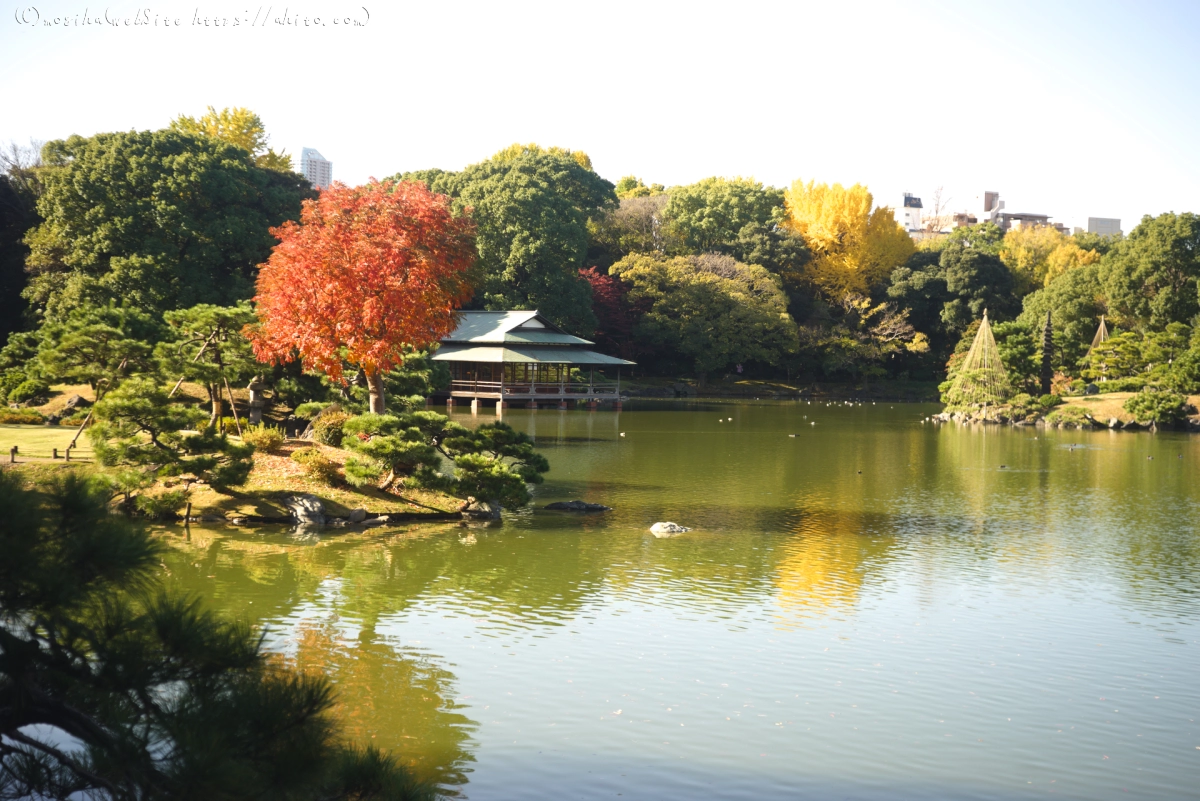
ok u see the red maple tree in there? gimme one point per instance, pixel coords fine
(368, 272)
(616, 315)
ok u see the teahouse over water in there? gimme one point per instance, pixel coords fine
(520, 355)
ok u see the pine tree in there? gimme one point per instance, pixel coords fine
(981, 380)
(113, 688)
(1047, 373)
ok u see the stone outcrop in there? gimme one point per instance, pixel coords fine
(667, 529)
(306, 509)
(473, 509)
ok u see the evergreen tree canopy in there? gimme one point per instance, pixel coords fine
(98, 345)
(1152, 277)
(161, 219)
(531, 207)
(113, 688)
(711, 311)
(1075, 301)
(948, 289)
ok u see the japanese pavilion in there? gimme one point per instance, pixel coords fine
(521, 356)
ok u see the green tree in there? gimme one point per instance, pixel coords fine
(207, 347)
(495, 463)
(632, 186)
(948, 289)
(710, 310)
(1020, 354)
(862, 338)
(98, 346)
(389, 446)
(634, 226)
(1101, 243)
(1076, 301)
(531, 209)
(113, 688)
(985, 237)
(710, 214)
(20, 188)
(137, 426)
(1152, 277)
(161, 219)
(1158, 406)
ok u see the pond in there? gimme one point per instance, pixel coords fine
(877, 607)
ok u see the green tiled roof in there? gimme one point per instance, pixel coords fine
(526, 354)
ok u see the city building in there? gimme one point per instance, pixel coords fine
(520, 355)
(316, 168)
(909, 215)
(993, 211)
(1104, 225)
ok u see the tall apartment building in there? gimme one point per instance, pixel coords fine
(1104, 225)
(316, 168)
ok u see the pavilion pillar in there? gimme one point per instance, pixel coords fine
(450, 403)
(474, 405)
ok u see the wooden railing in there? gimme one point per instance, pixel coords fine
(594, 389)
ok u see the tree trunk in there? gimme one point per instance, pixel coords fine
(218, 405)
(375, 387)
(701, 380)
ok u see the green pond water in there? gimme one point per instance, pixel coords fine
(875, 608)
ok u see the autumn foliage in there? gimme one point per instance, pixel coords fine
(368, 272)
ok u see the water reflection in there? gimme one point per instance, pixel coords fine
(1056, 541)
(826, 563)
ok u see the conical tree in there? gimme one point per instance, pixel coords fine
(1047, 354)
(981, 379)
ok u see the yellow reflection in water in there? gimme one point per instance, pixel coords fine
(824, 566)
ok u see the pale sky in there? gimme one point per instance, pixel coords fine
(1067, 109)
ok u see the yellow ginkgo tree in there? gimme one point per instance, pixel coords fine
(854, 246)
(237, 126)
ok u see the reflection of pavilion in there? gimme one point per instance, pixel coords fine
(520, 355)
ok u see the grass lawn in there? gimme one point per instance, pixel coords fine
(38, 442)
(1111, 404)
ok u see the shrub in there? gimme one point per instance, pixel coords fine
(157, 507)
(1157, 406)
(264, 438)
(317, 465)
(310, 410)
(30, 390)
(1134, 383)
(75, 418)
(10, 379)
(21, 417)
(1069, 417)
(1022, 406)
(388, 444)
(327, 427)
(1049, 401)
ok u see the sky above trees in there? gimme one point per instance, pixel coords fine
(1074, 109)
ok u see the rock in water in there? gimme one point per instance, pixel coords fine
(357, 515)
(473, 509)
(661, 529)
(306, 509)
(577, 506)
